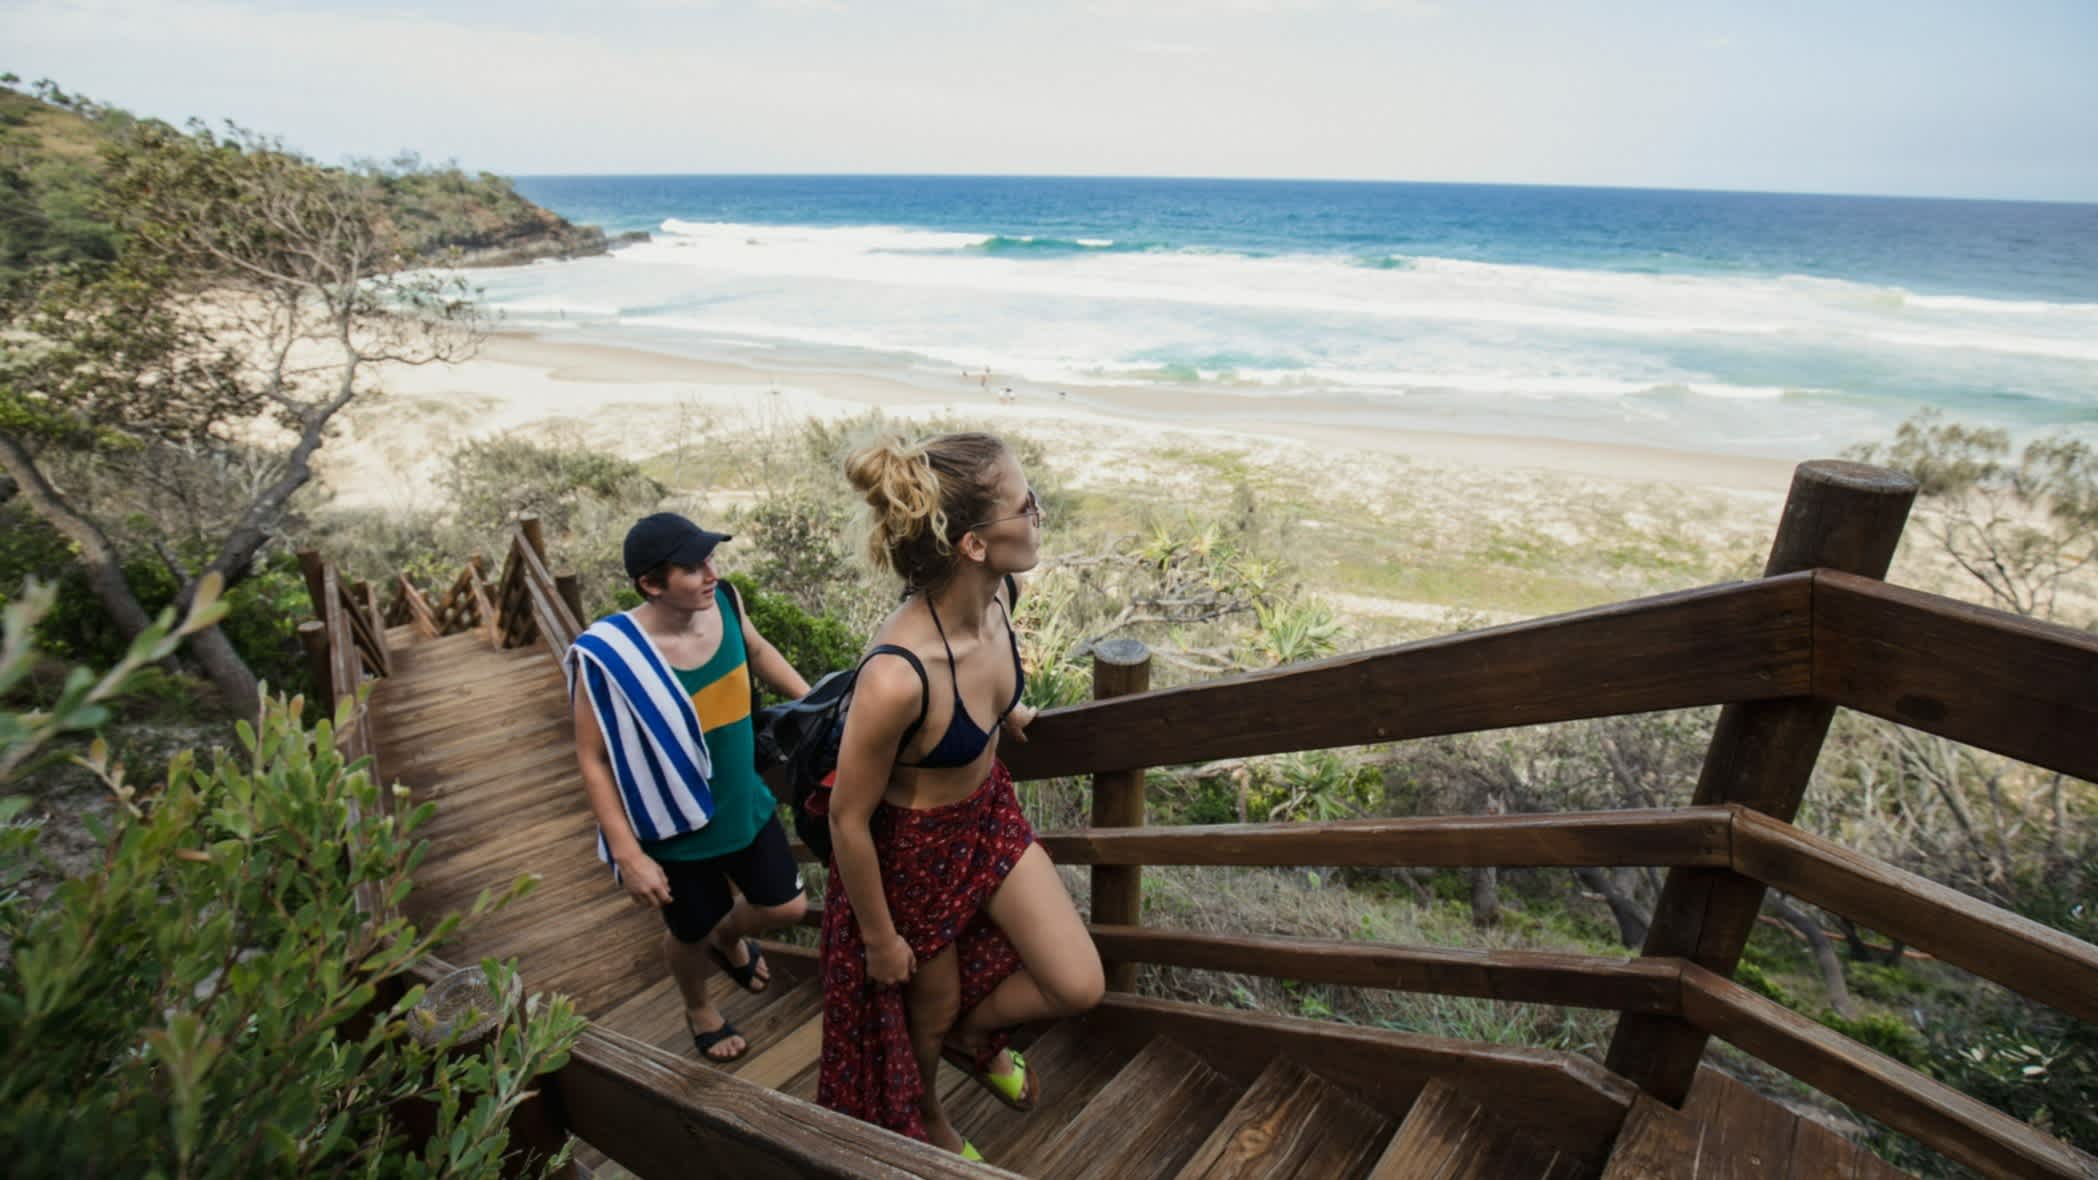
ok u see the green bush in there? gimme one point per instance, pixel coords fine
(1878, 1030)
(813, 643)
(494, 481)
(1751, 976)
(1886, 984)
(261, 622)
(211, 1001)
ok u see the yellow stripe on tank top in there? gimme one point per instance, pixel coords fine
(724, 702)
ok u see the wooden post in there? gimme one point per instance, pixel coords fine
(1839, 515)
(571, 593)
(313, 636)
(310, 564)
(1120, 667)
(368, 598)
(534, 534)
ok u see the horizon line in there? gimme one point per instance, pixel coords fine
(1330, 180)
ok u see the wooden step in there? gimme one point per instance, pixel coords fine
(1657, 1143)
(1743, 1134)
(1291, 1123)
(1146, 1121)
(1447, 1136)
(1071, 1063)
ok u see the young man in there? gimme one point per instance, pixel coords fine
(663, 734)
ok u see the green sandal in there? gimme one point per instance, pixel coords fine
(970, 1153)
(1015, 1089)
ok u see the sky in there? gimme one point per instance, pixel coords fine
(1969, 98)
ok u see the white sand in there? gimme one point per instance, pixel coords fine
(641, 403)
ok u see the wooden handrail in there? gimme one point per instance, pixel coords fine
(1963, 1128)
(419, 610)
(2025, 956)
(557, 626)
(1531, 977)
(1742, 642)
(491, 625)
(2017, 686)
(1687, 836)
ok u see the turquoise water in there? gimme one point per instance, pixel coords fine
(1745, 323)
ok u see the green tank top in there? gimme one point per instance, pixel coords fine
(720, 692)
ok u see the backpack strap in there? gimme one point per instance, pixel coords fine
(924, 686)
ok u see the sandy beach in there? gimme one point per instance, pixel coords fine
(641, 403)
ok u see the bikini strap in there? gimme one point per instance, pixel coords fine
(924, 686)
(954, 672)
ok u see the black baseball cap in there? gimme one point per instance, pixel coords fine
(667, 537)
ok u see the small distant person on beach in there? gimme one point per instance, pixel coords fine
(662, 698)
(944, 924)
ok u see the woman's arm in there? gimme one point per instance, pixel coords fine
(638, 871)
(885, 699)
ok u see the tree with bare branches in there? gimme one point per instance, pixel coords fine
(253, 298)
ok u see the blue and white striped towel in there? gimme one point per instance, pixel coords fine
(659, 757)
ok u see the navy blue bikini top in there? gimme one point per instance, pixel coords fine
(964, 741)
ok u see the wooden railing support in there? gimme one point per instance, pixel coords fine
(310, 564)
(1120, 667)
(1839, 515)
(313, 636)
(570, 589)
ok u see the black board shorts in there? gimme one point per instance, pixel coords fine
(699, 889)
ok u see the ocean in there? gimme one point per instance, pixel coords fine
(1786, 326)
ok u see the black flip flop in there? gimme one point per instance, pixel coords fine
(707, 1040)
(747, 974)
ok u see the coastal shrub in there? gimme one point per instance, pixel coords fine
(262, 619)
(210, 1000)
(813, 643)
(803, 552)
(1879, 1030)
(493, 481)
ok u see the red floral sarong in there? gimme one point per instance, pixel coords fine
(939, 868)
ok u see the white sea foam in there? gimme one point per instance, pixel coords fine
(1716, 358)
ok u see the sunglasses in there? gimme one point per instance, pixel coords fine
(1031, 508)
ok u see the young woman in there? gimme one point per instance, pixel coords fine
(944, 923)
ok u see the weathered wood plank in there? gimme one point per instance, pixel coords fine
(1584, 981)
(1657, 1143)
(1563, 1102)
(658, 1116)
(1969, 1131)
(2020, 687)
(2025, 956)
(1442, 1125)
(1746, 1136)
(1266, 1132)
(1658, 836)
(1143, 1124)
(1750, 641)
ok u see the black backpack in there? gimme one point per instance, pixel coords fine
(802, 736)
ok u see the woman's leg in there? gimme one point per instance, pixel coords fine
(932, 1000)
(1060, 972)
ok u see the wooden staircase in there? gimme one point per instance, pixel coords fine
(484, 732)
(477, 721)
